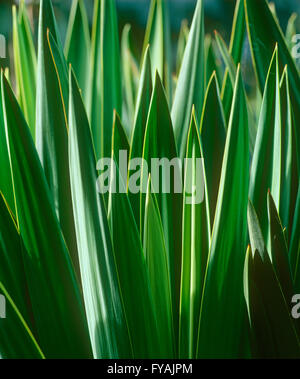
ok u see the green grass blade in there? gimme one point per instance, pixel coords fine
(264, 32)
(191, 82)
(133, 277)
(291, 30)
(25, 64)
(120, 147)
(212, 63)
(104, 96)
(12, 272)
(267, 307)
(54, 290)
(160, 144)
(119, 139)
(140, 122)
(294, 248)
(238, 32)
(16, 339)
(266, 162)
(227, 58)
(158, 36)
(131, 74)
(6, 185)
(235, 51)
(77, 44)
(229, 76)
(51, 123)
(289, 171)
(279, 250)
(213, 136)
(195, 248)
(159, 276)
(222, 301)
(182, 42)
(107, 324)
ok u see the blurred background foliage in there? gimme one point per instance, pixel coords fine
(218, 16)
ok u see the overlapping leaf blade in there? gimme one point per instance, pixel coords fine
(12, 272)
(25, 64)
(159, 144)
(279, 250)
(157, 262)
(195, 245)
(266, 162)
(54, 291)
(77, 44)
(133, 277)
(191, 82)
(222, 301)
(103, 303)
(130, 78)
(267, 307)
(104, 97)
(289, 170)
(51, 123)
(140, 121)
(213, 136)
(264, 32)
(158, 36)
(6, 185)
(235, 51)
(16, 339)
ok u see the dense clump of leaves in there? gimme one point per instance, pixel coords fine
(149, 275)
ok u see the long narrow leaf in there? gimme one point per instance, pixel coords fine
(54, 290)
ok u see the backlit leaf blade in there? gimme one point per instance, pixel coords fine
(16, 339)
(213, 136)
(157, 262)
(107, 324)
(264, 32)
(130, 78)
(182, 42)
(25, 64)
(158, 36)
(159, 144)
(61, 69)
(140, 122)
(191, 82)
(133, 277)
(226, 56)
(119, 139)
(51, 123)
(289, 170)
(77, 45)
(266, 162)
(222, 301)
(235, 51)
(268, 310)
(238, 32)
(120, 147)
(212, 63)
(59, 317)
(6, 186)
(12, 272)
(291, 30)
(195, 246)
(279, 250)
(229, 77)
(104, 97)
